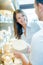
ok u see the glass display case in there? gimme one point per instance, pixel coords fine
(6, 16)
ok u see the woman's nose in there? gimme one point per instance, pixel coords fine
(23, 19)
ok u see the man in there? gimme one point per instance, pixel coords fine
(36, 56)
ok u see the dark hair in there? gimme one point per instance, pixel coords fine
(39, 1)
(17, 27)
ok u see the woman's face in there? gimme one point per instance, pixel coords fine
(20, 18)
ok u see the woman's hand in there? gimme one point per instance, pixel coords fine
(17, 54)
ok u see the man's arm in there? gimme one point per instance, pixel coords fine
(25, 61)
(23, 58)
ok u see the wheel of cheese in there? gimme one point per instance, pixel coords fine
(20, 45)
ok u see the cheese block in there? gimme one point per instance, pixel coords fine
(19, 45)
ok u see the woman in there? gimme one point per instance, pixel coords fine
(21, 28)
